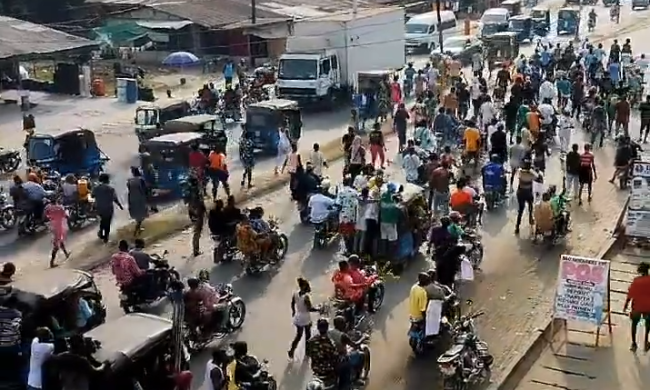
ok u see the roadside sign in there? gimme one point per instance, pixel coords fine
(638, 209)
(582, 291)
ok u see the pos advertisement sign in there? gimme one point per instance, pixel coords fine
(638, 209)
(582, 290)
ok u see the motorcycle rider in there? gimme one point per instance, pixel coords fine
(34, 194)
(128, 275)
(544, 216)
(358, 277)
(494, 176)
(251, 244)
(592, 19)
(322, 207)
(561, 215)
(623, 157)
(499, 143)
(323, 353)
(243, 367)
(351, 361)
(143, 259)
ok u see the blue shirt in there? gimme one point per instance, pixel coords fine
(84, 313)
(228, 70)
(546, 58)
(35, 192)
(614, 70)
(493, 175)
(409, 73)
(441, 123)
(563, 87)
(260, 225)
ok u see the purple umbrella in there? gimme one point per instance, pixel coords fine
(181, 58)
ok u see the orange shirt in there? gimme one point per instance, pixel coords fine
(533, 122)
(343, 283)
(460, 198)
(217, 161)
(472, 138)
(639, 293)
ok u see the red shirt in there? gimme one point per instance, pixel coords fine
(586, 160)
(343, 286)
(639, 293)
(357, 276)
(124, 268)
(198, 160)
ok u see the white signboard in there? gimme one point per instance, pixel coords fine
(638, 210)
(581, 289)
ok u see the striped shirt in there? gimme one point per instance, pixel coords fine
(10, 321)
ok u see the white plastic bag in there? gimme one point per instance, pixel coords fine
(434, 315)
(466, 270)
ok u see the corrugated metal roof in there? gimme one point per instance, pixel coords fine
(166, 25)
(20, 38)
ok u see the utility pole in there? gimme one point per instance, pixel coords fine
(439, 26)
(577, 37)
(251, 58)
(253, 11)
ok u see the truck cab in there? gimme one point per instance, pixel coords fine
(306, 77)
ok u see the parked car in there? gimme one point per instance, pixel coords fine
(461, 48)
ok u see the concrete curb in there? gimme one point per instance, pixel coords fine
(518, 369)
(95, 255)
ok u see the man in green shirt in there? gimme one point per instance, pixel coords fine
(522, 117)
(388, 214)
(558, 205)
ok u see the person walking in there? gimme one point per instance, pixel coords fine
(247, 157)
(58, 218)
(284, 149)
(105, 202)
(137, 199)
(587, 174)
(639, 295)
(218, 171)
(301, 309)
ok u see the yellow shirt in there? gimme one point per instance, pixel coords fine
(82, 189)
(230, 372)
(471, 137)
(418, 301)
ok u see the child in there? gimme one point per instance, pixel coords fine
(317, 160)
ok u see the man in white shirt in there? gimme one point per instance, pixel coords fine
(432, 77)
(547, 112)
(487, 113)
(321, 207)
(42, 349)
(547, 90)
(565, 125)
(475, 94)
(317, 160)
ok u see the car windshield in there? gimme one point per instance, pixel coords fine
(455, 43)
(258, 119)
(298, 69)
(146, 117)
(518, 25)
(566, 15)
(538, 14)
(493, 18)
(413, 28)
(490, 29)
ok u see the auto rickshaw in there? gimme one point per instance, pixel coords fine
(513, 6)
(264, 119)
(523, 26)
(137, 347)
(165, 162)
(541, 17)
(490, 29)
(501, 48)
(568, 21)
(212, 127)
(151, 116)
(643, 4)
(74, 151)
(45, 299)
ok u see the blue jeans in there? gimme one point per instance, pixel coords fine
(441, 202)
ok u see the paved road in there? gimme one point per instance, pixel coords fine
(514, 308)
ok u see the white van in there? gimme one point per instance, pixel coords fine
(422, 30)
(495, 16)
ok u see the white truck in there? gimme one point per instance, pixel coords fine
(324, 54)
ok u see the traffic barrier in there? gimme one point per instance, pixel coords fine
(175, 219)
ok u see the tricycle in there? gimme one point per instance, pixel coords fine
(264, 120)
(152, 116)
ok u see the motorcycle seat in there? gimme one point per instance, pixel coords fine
(451, 353)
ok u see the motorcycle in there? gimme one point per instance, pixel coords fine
(279, 251)
(29, 224)
(9, 160)
(324, 232)
(473, 248)
(262, 378)
(419, 341)
(77, 216)
(7, 211)
(348, 311)
(591, 25)
(613, 14)
(492, 199)
(162, 276)
(319, 383)
(468, 360)
(197, 340)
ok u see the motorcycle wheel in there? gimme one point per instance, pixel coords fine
(237, 314)
(283, 246)
(8, 218)
(12, 164)
(74, 222)
(365, 371)
(379, 297)
(622, 182)
(489, 203)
